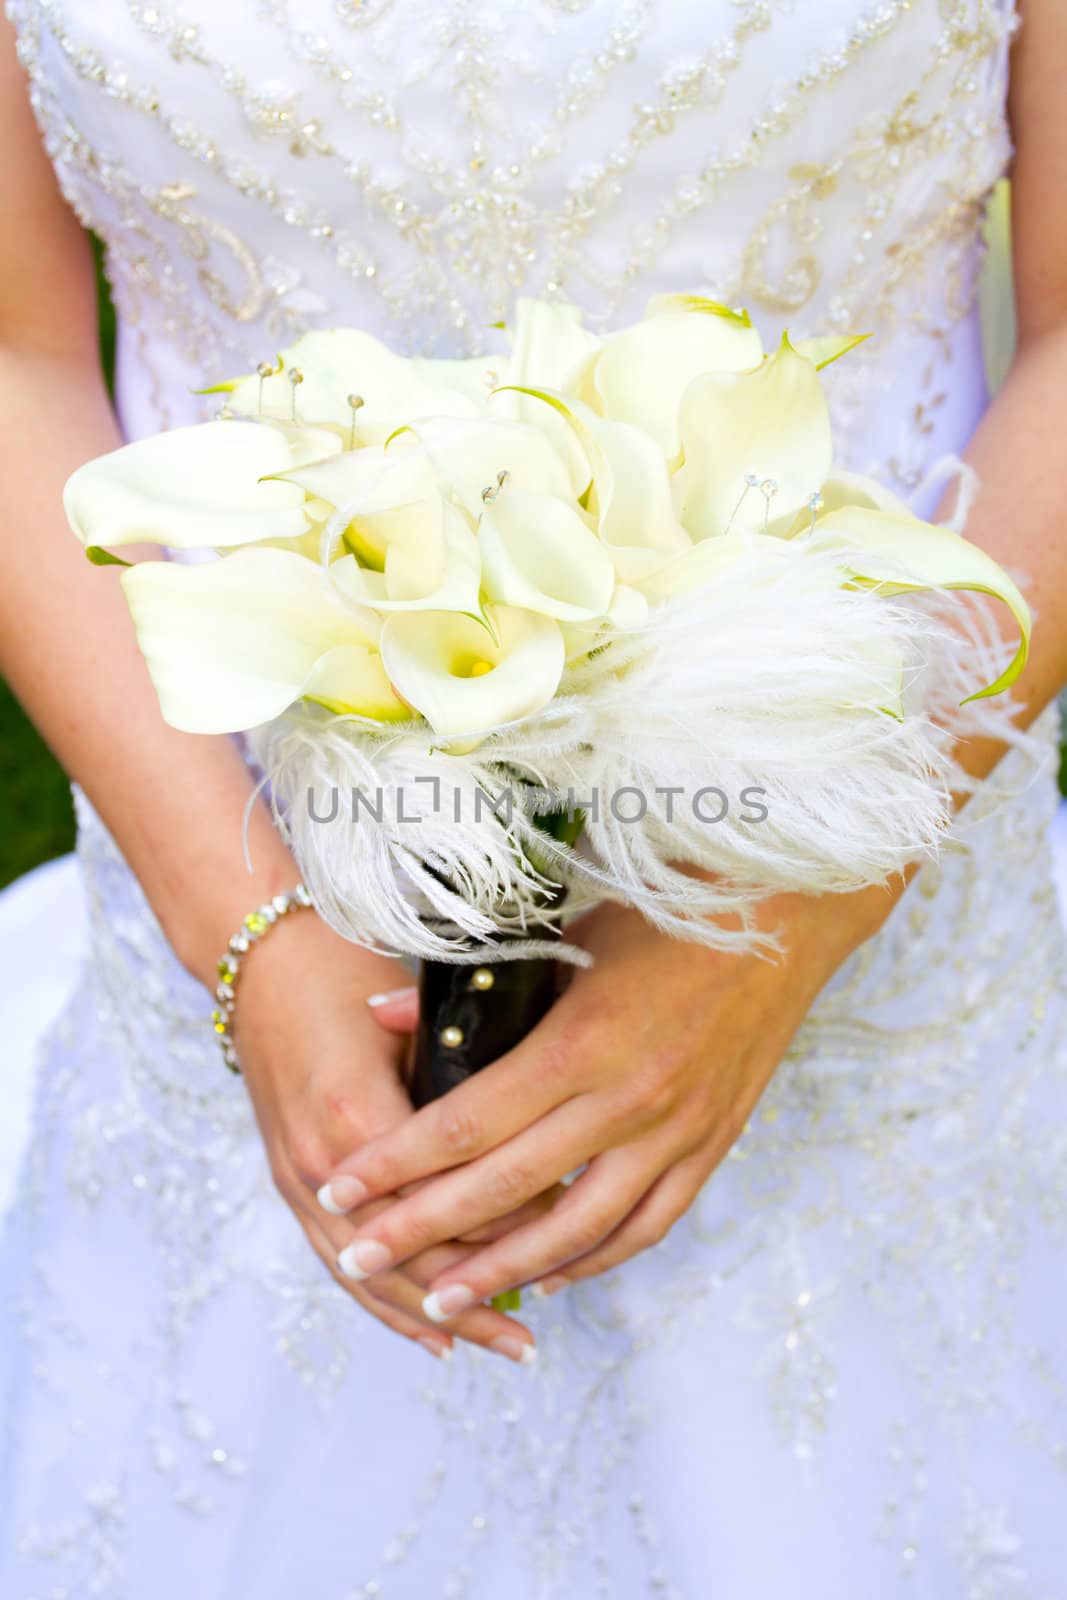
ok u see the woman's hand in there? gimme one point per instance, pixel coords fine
(644, 1074)
(322, 1078)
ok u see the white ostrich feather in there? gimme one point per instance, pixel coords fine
(835, 703)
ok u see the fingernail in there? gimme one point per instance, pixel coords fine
(387, 995)
(443, 1352)
(550, 1285)
(449, 1303)
(361, 1259)
(516, 1350)
(341, 1195)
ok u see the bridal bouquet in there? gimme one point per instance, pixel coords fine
(611, 586)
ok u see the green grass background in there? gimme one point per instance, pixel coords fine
(35, 811)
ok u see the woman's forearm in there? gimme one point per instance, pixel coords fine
(174, 802)
(1020, 516)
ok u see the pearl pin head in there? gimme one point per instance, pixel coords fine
(483, 978)
(451, 1037)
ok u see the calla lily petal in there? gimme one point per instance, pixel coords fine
(627, 612)
(823, 351)
(634, 509)
(537, 552)
(306, 443)
(466, 683)
(773, 424)
(550, 350)
(473, 377)
(643, 372)
(231, 643)
(351, 678)
(549, 345)
(900, 554)
(377, 490)
(335, 363)
(701, 564)
(431, 564)
(192, 488)
(661, 304)
(843, 489)
(370, 479)
(467, 456)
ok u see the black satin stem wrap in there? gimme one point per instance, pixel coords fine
(493, 1020)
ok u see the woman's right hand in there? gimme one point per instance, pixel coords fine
(323, 1079)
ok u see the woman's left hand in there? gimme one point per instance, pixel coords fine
(644, 1074)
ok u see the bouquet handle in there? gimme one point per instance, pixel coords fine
(471, 1015)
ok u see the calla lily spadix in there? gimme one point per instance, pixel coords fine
(464, 681)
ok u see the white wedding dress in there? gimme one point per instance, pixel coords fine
(843, 1373)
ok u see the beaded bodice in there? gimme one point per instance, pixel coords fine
(409, 166)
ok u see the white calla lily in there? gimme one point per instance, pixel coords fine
(537, 552)
(431, 563)
(772, 425)
(643, 371)
(375, 490)
(899, 554)
(205, 487)
(550, 350)
(233, 642)
(334, 363)
(840, 491)
(351, 679)
(467, 456)
(634, 513)
(471, 376)
(308, 443)
(465, 682)
(549, 346)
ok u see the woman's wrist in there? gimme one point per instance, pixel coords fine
(200, 917)
(825, 930)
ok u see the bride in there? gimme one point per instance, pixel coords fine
(800, 1319)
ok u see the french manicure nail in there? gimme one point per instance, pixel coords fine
(443, 1352)
(515, 1350)
(550, 1285)
(364, 1257)
(341, 1194)
(449, 1303)
(387, 995)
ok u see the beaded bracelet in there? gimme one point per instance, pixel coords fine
(253, 927)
